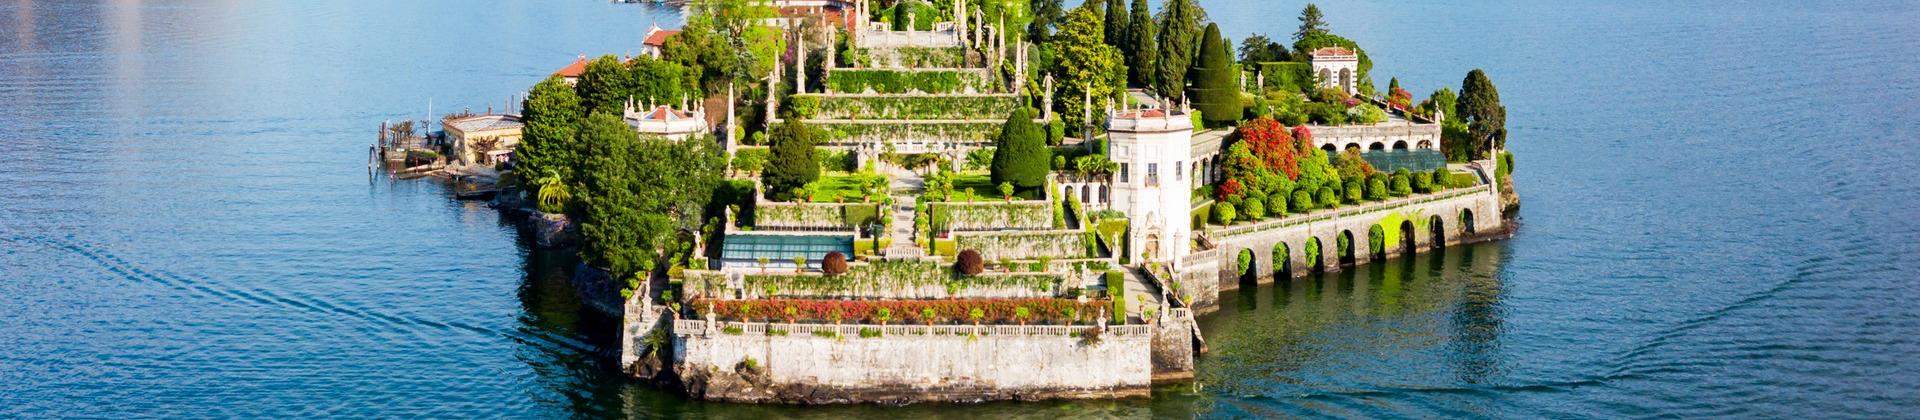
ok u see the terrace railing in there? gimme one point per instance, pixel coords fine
(688, 327)
(1320, 216)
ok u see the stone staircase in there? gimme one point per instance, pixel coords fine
(905, 190)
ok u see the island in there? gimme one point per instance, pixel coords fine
(868, 201)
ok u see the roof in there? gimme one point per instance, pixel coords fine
(664, 113)
(576, 69)
(1334, 53)
(658, 37)
(484, 123)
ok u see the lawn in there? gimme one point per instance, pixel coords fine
(837, 189)
(985, 190)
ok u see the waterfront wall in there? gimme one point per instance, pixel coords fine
(910, 363)
(1447, 218)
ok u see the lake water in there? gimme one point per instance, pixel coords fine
(1719, 220)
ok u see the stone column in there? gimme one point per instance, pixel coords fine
(800, 62)
(731, 124)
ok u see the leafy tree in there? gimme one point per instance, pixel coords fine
(604, 85)
(1179, 34)
(1087, 65)
(652, 80)
(724, 42)
(792, 164)
(1046, 14)
(1442, 99)
(1311, 22)
(1117, 23)
(1020, 153)
(552, 114)
(616, 231)
(1142, 48)
(1216, 80)
(1480, 109)
(1260, 49)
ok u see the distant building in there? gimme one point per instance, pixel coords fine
(1336, 67)
(571, 73)
(664, 121)
(656, 42)
(484, 139)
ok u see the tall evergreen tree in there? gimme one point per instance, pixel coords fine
(1020, 155)
(1480, 109)
(1216, 80)
(615, 225)
(1260, 49)
(1179, 33)
(1311, 22)
(1142, 48)
(552, 115)
(1116, 18)
(791, 163)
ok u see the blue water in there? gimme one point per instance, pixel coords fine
(1717, 221)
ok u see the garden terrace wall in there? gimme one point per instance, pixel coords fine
(910, 363)
(992, 216)
(931, 81)
(1024, 245)
(771, 215)
(878, 280)
(977, 132)
(903, 106)
(910, 57)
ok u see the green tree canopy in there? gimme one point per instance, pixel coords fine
(1046, 14)
(1020, 154)
(723, 42)
(1216, 80)
(1087, 65)
(792, 164)
(1480, 109)
(1142, 48)
(1260, 49)
(604, 85)
(641, 193)
(1179, 34)
(1311, 22)
(552, 114)
(1117, 23)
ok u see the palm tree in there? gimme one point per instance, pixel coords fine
(553, 194)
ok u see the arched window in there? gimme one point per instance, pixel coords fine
(1083, 193)
(1103, 194)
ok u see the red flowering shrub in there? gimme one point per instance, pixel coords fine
(1271, 142)
(1303, 140)
(1045, 310)
(1226, 189)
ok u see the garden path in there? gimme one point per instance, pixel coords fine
(905, 189)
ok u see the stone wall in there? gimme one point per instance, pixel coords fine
(1384, 134)
(770, 215)
(902, 367)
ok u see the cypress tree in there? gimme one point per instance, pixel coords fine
(791, 162)
(1020, 154)
(1480, 109)
(1116, 18)
(1177, 37)
(1141, 49)
(1216, 85)
(1311, 22)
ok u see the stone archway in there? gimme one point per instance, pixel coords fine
(1376, 146)
(1466, 222)
(1150, 250)
(1313, 255)
(1437, 225)
(1346, 80)
(1400, 145)
(1353, 146)
(1344, 248)
(1326, 77)
(1282, 261)
(1331, 149)
(1425, 144)
(1408, 244)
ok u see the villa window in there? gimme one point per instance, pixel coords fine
(1177, 168)
(1123, 172)
(1153, 174)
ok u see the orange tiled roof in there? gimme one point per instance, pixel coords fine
(573, 70)
(1333, 52)
(659, 38)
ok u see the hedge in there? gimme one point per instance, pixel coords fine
(1117, 292)
(989, 216)
(815, 215)
(910, 57)
(1060, 244)
(896, 81)
(878, 131)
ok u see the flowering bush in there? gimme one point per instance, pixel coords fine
(991, 311)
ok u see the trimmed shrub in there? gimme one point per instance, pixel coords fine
(1302, 201)
(1354, 191)
(1376, 189)
(1223, 213)
(835, 263)
(1422, 182)
(1401, 187)
(1245, 262)
(1277, 204)
(1376, 242)
(970, 262)
(1327, 198)
(1256, 210)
